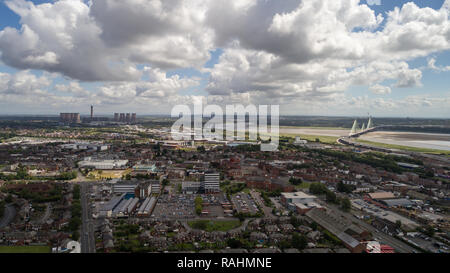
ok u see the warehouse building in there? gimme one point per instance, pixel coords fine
(350, 234)
(299, 202)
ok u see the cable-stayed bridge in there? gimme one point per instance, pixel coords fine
(357, 131)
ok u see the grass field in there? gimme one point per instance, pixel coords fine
(303, 185)
(313, 127)
(312, 138)
(107, 174)
(210, 226)
(405, 148)
(25, 249)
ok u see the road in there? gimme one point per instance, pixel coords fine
(258, 199)
(8, 216)
(48, 212)
(384, 238)
(87, 228)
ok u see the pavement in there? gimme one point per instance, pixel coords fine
(8, 216)
(87, 235)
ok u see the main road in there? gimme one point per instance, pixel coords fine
(87, 228)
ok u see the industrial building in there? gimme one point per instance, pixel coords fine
(147, 207)
(107, 209)
(123, 188)
(125, 117)
(70, 117)
(143, 190)
(299, 202)
(99, 164)
(350, 234)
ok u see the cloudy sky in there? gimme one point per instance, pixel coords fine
(312, 57)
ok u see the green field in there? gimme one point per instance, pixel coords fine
(210, 226)
(25, 249)
(312, 138)
(303, 185)
(315, 127)
(405, 148)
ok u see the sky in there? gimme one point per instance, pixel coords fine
(389, 58)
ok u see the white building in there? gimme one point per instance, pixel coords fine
(299, 201)
(102, 164)
(211, 183)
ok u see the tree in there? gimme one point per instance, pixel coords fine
(346, 205)
(9, 199)
(75, 235)
(295, 181)
(165, 182)
(234, 243)
(429, 231)
(341, 187)
(318, 188)
(198, 205)
(398, 224)
(299, 241)
(331, 197)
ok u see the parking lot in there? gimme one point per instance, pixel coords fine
(244, 203)
(174, 207)
(181, 206)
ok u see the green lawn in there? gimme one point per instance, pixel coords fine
(25, 249)
(312, 138)
(303, 185)
(315, 127)
(405, 148)
(210, 226)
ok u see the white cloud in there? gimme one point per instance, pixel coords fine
(380, 89)
(287, 52)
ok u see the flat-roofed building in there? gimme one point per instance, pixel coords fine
(103, 164)
(350, 234)
(211, 183)
(381, 195)
(402, 202)
(299, 202)
(123, 188)
(191, 187)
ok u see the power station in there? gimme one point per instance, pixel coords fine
(72, 118)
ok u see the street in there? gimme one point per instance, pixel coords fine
(87, 235)
(258, 199)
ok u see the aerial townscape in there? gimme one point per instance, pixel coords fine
(106, 186)
(224, 135)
